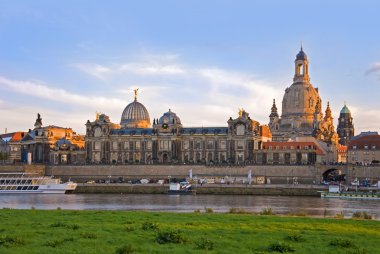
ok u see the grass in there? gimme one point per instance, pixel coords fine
(62, 231)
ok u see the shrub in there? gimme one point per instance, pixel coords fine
(281, 247)
(339, 215)
(149, 226)
(267, 211)
(209, 210)
(197, 211)
(361, 215)
(295, 237)
(357, 251)
(73, 227)
(342, 243)
(234, 210)
(54, 243)
(88, 235)
(58, 224)
(129, 228)
(173, 236)
(126, 249)
(6, 240)
(204, 244)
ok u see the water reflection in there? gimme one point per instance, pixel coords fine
(314, 206)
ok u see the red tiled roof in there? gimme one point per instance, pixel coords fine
(15, 136)
(369, 140)
(297, 145)
(18, 136)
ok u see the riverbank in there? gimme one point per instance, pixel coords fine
(220, 189)
(62, 231)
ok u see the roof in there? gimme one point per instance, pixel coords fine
(13, 136)
(365, 133)
(345, 110)
(132, 131)
(192, 131)
(293, 145)
(365, 142)
(205, 130)
(301, 55)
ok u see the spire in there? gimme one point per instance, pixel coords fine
(328, 111)
(274, 110)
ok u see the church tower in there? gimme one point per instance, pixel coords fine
(298, 105)
(345, 126)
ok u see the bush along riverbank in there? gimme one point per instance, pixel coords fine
(62, 231)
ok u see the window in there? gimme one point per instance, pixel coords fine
(149, 145)
(284, 148)
(137, 144)
(240, 144)
(277, 147)
(222, 144)
(126, 145)
(291, 147)
(270, 147)
(365, 146)
(373, 147)
(114, 145)
(354, 147)
(210, 144)
(186, 144)
(97, 146)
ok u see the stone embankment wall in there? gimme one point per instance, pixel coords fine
(277, 174)
(278, 190)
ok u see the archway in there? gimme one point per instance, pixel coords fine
(333, 175)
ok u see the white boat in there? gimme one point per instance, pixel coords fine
(336, 191)
(32, 183)
(183, 188)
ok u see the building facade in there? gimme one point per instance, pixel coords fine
(52, 144)
(166, 141)
(364, 149)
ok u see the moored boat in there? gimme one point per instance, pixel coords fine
(183, 188)
(338, 192)
(32, 183)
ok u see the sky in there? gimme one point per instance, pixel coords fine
(204, 60)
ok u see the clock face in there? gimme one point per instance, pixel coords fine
(165, 126)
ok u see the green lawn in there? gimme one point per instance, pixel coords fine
(61, 231)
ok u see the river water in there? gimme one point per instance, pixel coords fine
(311, 206)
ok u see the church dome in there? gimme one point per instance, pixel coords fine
(301, 55)
(135, 115)
(300, 98)
(169, 118)
(345, 110)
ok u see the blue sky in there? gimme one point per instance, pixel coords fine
(202, 59)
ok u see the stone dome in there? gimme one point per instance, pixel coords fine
(135, 115)
(169, 118)
(300, 99)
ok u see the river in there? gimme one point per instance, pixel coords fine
(311, 206)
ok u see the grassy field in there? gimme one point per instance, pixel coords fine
(61, 231)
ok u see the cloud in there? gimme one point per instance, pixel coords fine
(41, 90)
(375, 68)
(147, 64)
